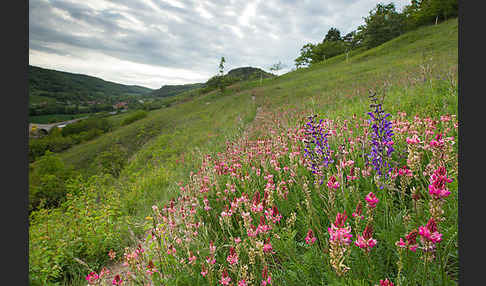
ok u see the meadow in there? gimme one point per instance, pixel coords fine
(293, 181)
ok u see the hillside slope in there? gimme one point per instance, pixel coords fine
(65, 86)
(171, 90)
(419, 72)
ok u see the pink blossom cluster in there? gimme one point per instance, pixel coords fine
(366, 241)
(372, 200)
(338, 233)
(438, 180)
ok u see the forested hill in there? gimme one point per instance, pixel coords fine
(76, 87)
(171, 90)
(245, 73)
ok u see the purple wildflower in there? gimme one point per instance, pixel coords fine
(381, 139)
(317, 148)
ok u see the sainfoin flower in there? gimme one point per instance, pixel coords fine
(411, 241)
(92, 277)
(267, 247)
(232, 257)
(386, 282)
(266, 279)
(372, 200)
(366, 241)
(117, 280)
(310, 238)
(359, 211)
(338, 233)
(430, 233)
(438, 180)
(242, 282)
(332, 183)
(225, 279)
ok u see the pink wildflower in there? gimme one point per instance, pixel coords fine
(430, 233)
(225, 279)
(210, 260)
(358, 212)
(266, 279)
(366, 241)
(232, 257)
(267, 247)
(386, 282)
(338, 233)
(212, 248)
(117, 280)
(204, 271)
(310, 239)
(92, 277)
(242, 282)
(112, 254)
(438, 180)
(411, 243)
(333, 183)
(372, 200)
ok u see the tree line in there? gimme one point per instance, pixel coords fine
(381, 25)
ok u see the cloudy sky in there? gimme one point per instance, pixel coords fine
(156, 42)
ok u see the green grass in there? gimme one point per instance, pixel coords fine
(419, 70)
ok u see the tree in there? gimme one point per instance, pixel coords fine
(305, 57)
(383, 24)
(276, 67)
(332, 35)
(221, 82)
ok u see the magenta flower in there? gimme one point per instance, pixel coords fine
(386, 282)
(338, 233)
(310, 238)
(204, 271)
(266, 279)
(117, 280)
(225, 279)
(232, 257)
(92, 277)
(242, 282)
(267, 247)
(438, 180)
(411, 243)
(430, 233)
(358, 212)
(372, 200)
(332, 183)
(366, 241)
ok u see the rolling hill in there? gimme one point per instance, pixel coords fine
(57, 92)
(171, 90)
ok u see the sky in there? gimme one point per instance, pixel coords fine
(152, 43)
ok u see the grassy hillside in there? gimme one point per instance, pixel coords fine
(206, 151)
(171, 90)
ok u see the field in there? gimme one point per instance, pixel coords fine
(246, 188)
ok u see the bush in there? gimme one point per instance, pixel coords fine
(47, 181)
(134, 117)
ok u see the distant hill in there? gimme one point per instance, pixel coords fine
(246, 73)
(236, 75)
(171, 90)
(57, 92)
(64, 86)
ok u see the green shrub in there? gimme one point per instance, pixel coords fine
(134, 117)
